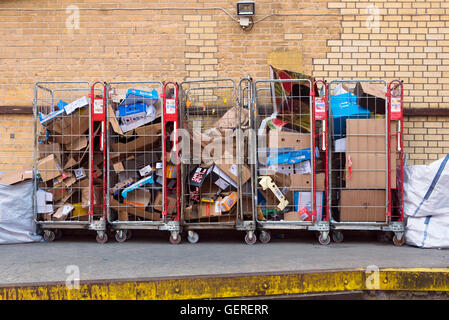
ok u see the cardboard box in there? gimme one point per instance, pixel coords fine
(231, 171)
(67, 129)
(304, 181)
(63, 212)
(228, 202)
(45, 149)
(230, 119)
(49, 168)
(292, 216)
(366, 150)
(171, 203)
(191, 213)
(363, 205)
(285, 139)
(139, 144)
(138, 198)
(209, 209)
(11, 178)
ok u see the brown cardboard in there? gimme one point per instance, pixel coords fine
(124, 211)
(171, 203)
(230, 119)
(138, 144)
(365, 145)
(118, 166)
(231, 170)
(292, 216)
(138, 198)
(286, 139)
(113, 121)
(49, 168)
(23, 174)
(209, 209)
(45, 149)
(190, 213)
(69, 128)
(77, 144)
(369, 135)
(120, 208)
(368, 171)
(304, 181)
(362, 205)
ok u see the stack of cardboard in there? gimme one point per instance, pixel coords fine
(364, 197)
(136, 168)
(214, 183)
(63, 164)
(285, 175)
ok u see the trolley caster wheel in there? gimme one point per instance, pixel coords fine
(337, 236)
(176, 240)
(324, 241)
(398, 242)
(193, 236)
(49, 235)
(120, 236)
(58, 234)
(250, 239)
(264, 237)
(101, 239)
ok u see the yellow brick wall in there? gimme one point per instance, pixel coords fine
(406, 39)
(330, 39)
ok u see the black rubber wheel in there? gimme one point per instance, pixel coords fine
(337, 236)
(264, 237)
(49, 235)
(175, 241)
(58, 233)
(251, 240)
(103, 239)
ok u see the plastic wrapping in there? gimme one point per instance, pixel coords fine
(16, 214)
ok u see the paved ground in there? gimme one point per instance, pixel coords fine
(150, 255)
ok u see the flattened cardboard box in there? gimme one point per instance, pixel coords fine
(10, 178)
(68, 129)
(51, 148)
(49, 168)
(363, 205)
(366, 150)
(231, 170)
(171, 203)
(138, 144)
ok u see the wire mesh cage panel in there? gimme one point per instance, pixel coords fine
(290, 171)
(62, 197)
(135, 166)
(216, 188)
(365, 157)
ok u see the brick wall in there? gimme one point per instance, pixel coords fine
(398, 39)
(330, 38)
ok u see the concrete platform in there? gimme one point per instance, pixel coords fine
(149, 255)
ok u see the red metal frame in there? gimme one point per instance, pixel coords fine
(170, 114)
(98, 114)
(319, 112)
(395, 105)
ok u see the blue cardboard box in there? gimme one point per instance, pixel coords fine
(344, 106)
